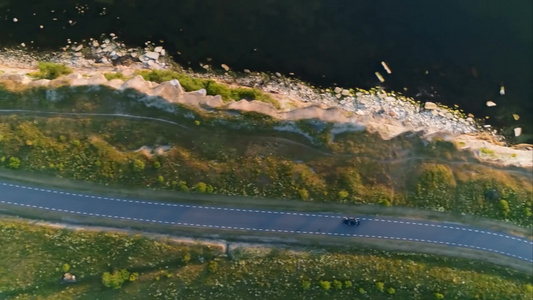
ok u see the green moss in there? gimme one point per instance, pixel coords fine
(49, 70)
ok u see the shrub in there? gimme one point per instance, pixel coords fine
(439, 296)
(138, 165)
(116, 75)
(362, 291)
(212, 267)
(116, 279)
(348, 284)
(13, 163)
(504, 205)
(303, 193)
(306, 285)
(337, 284)
(66, 267)
(391, 291)
(380, 286)
(186, 258)
(325, 285)
(49, 70)
(343, 195)
(134, 276)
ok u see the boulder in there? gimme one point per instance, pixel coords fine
(337, 90)
(345, 92)
(167, 90)
(137, 83)
(97, 79)
(17, 78)
(430, 106)
(158, 49)
(517, 131)
(152, 55)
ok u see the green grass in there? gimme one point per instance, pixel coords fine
(34, 258)
(116, 75)
(213, 88)
(49, 70)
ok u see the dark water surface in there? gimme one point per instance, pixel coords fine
(468, 47)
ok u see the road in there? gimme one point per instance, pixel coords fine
(219, 217)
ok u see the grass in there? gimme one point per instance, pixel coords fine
(49, 70)
(192, 271)
(116, 75)
(212, 87)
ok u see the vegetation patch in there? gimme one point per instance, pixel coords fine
(120, 266)
(50, 70)
(212, 87)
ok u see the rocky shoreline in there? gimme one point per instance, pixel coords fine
(376, 111)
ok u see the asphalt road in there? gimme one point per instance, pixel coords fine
(266, 220)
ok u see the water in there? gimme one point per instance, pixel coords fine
(454, 52)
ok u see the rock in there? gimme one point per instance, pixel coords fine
(345, 92)
(152, 55)
(360, 112)
(163, 52)
(96, 44)
(78, 54)
(78, 48)
(278, 74)
(158, 49)
(73, 76)
(430, 106)
(110, 48)
(516, 117)
(517, 131)
(202, 92)
(40, 83)
(137, 83)
(225, 67)
(97, 80)
(134, 54)
(490, 104)
(338, 96)
(337, 90)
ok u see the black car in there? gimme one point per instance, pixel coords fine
(349, 221)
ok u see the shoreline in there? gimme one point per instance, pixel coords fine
(389, 115)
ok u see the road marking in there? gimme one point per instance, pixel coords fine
(263, 211)
(279, 230)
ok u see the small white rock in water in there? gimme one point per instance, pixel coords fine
(15, 20)
(23, 45)
(384, 64)
(247, 71)
(41, 26)
(158, 49)
(502, 90)
(516, 117)
(517, 131)
(225, 67)
(380, 77)
(490, 104)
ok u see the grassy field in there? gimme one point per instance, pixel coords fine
(245, 155)
(34, 258)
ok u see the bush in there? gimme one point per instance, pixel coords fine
(504, 205)
(348, 284)
(200, 187)
(134, 277)
(212, 267)
(337, 284)
(343, 195)
(14, 163)
(117, 75)
(325, 285)
(186, 258)
(66, 267)
(380, 286)
(391, 291)
(138, 165)
(362, 291)
(304, 194)
(117, 278)
(306, 285)
(439, 296)
(49, 70)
